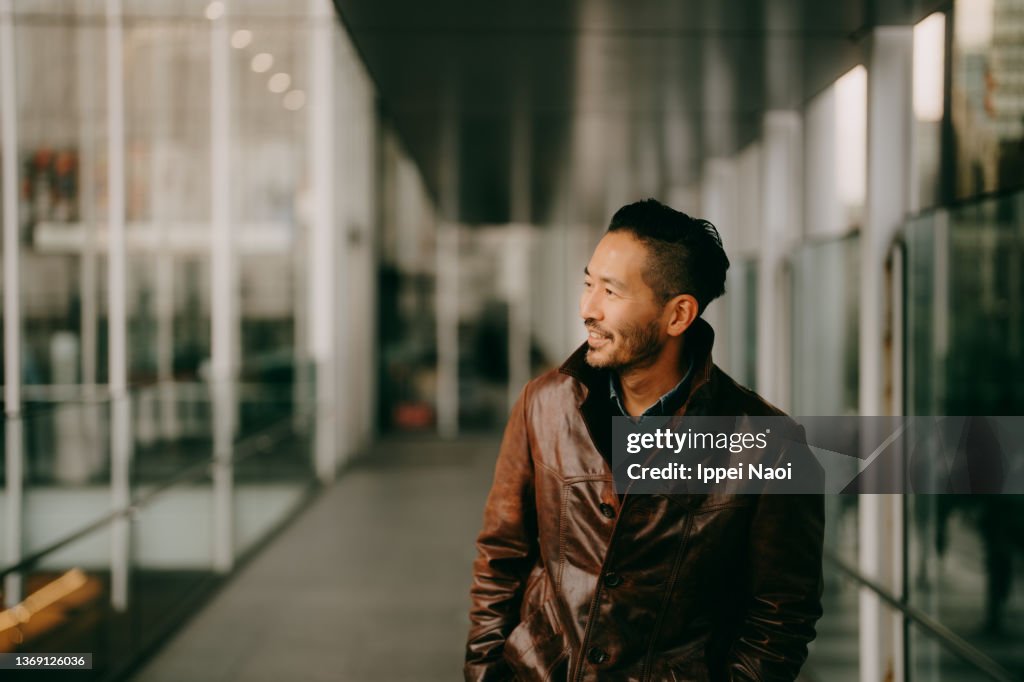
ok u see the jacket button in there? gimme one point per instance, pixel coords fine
(612, 579)
(607, 510)
(597, 656)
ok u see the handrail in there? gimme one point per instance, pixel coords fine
(245, 448)
(34, 406)
(965, 202)
(952, 641)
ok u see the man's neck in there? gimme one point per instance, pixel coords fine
(642, 387)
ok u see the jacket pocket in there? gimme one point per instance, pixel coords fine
(536, 649)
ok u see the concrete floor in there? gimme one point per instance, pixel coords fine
(370, 583)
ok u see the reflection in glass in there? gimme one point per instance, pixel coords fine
(987, 99)
(825, 277)
(742, 307)
(825, 328)
(965, 326)
(61, 55)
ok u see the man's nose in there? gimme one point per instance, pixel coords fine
(589, 306)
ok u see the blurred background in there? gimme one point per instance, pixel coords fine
(273, 271)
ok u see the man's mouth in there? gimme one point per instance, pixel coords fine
(596, 339)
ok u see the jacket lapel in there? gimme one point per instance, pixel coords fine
(596, 408)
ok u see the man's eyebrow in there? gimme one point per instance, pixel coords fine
(607, 280)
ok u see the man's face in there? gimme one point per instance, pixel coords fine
(621, 313)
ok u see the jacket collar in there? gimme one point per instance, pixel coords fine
(595, 407)
(700, 337)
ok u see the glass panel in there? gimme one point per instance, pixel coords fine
(271, 196)
(61, 54)
(742, 305)
(270, 129)
(825, 278)
(825, 328)
(929, 660)
(60, 71)
(407, 303)
(170, 555)
(965, 332)
(483, 331)
(987, 109)
(834, 654)
(929, 95)
(167, 166)
(68, 605)
(61, 105)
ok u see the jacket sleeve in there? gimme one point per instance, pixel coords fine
(506, 551)
(784, 582)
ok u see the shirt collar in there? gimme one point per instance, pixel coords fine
(665, 405)
(700, 338)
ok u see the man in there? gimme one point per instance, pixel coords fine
(576, 581)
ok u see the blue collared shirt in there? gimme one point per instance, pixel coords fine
(666, 404)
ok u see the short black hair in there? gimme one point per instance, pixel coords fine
(685, 254)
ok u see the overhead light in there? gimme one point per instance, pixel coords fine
(929, 65)
(279, 82)
(852, 135)
(215, 10)
(973, 24)
(294, 100)
(241, 38)
(262, 62)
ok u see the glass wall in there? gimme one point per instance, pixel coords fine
(741, 290)
(218, 130)
(825, 279)
(965, 328)
(929, 109)
(987, 97)
(62, 147)
(408, 316)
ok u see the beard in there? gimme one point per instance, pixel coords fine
(632, 347)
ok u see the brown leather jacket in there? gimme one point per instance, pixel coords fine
(570, 583)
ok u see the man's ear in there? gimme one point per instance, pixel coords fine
(683, 310)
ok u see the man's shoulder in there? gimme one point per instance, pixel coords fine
(553, 387)
(734, 398)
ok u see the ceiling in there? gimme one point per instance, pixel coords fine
(548, 111)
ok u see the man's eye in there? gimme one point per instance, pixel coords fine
(586, 284)
(609, 292)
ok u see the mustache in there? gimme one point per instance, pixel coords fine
(597, 330)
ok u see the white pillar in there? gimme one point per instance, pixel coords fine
(91, 449)
(448, 280)
(890, 127)
(890, 121)
(163, 257)
(12, 310)
(782, 220)
(518, 253)
(578, 243)
(719, 203)
(448, 328)
(517, 289)
(323, 275)
(744, 246)
(88, 132)
(224, 286)
(117, 362)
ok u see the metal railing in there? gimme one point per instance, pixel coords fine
(953, 642)
(246, 448)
